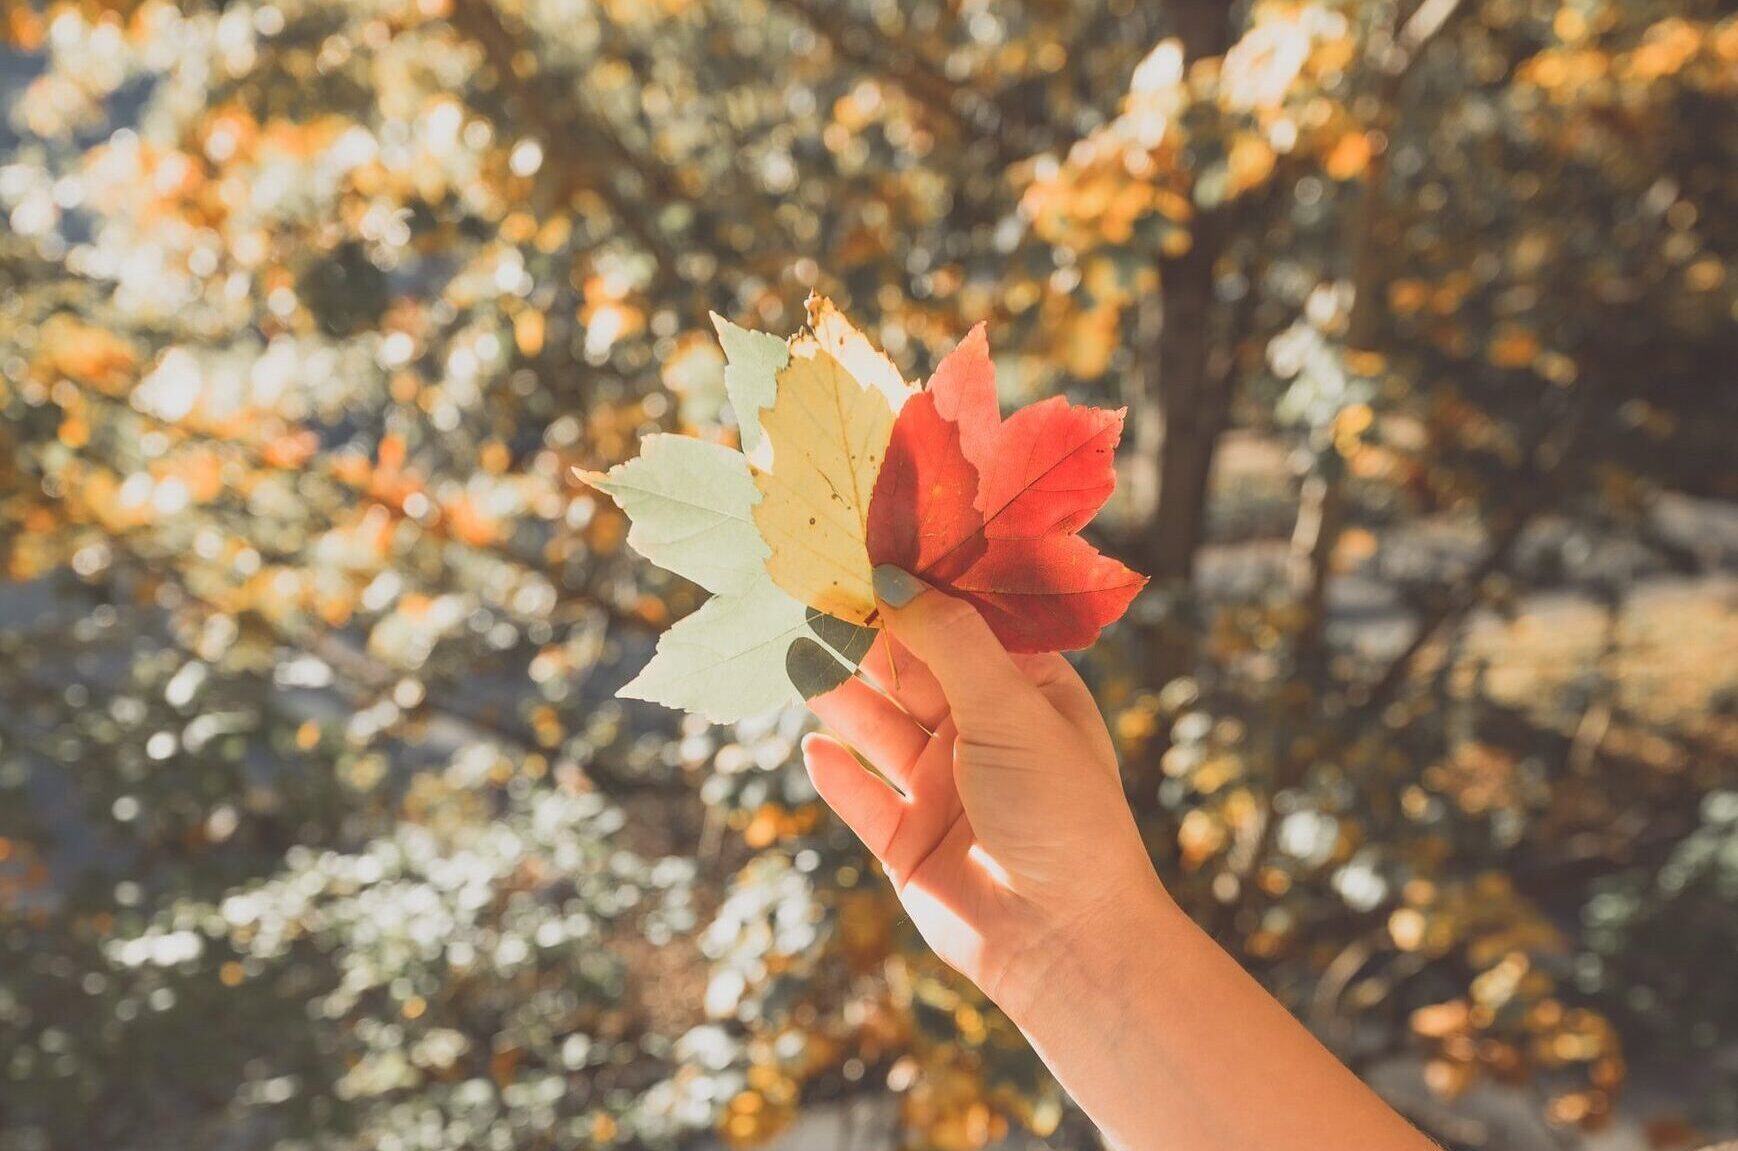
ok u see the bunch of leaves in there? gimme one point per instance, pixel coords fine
(847, 466)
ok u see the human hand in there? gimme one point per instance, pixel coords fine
(1013, 849)
(1012, 837)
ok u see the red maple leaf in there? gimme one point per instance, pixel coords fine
(987, 509)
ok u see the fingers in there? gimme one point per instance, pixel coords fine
(868, 806)
(979, 678)
(869, 721)
(898, 832)
(901, 675)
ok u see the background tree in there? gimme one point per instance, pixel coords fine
(319, 821)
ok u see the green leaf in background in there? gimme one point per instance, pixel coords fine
(691, 505)
(752, 363)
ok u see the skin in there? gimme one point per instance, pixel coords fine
(1012, 847)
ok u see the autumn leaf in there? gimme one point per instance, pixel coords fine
(923, 512)
(839, 338)
(1048, 593)
(1048, 469)
(752, 363)
(781, 544)
(988, 509)
(751, 648)
(964, 388)
(829, 436)
(691, 505)
(747, 653)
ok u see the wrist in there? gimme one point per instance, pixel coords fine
(1076, 959)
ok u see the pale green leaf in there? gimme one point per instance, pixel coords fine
(752, 363)
(691, 505)
(745, 654)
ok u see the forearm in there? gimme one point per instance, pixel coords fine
(1170, 1046)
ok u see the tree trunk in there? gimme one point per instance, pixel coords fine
(1184, 399)
(1187, 393)
(1179, 412)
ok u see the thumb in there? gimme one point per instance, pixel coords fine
(979, 678)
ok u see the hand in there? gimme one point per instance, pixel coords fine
(1011, 845)
(1009, 835)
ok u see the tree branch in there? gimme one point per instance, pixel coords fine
(1549, 446)
(1014, 136)
(588, 166)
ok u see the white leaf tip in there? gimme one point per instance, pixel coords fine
(590, 478)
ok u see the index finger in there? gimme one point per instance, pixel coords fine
(897, 671)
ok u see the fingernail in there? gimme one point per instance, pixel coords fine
(895, 586)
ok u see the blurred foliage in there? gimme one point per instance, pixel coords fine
(318, 823)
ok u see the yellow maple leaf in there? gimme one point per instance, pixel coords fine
(837, 336)
(829, 434)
